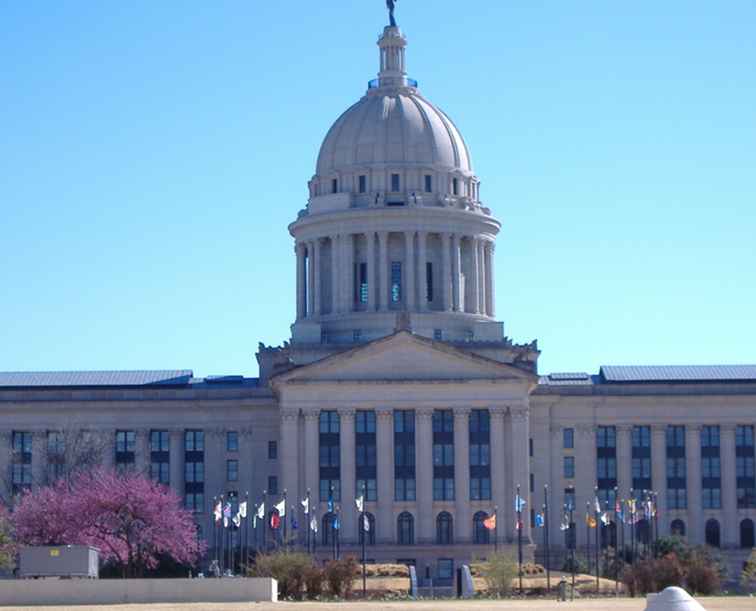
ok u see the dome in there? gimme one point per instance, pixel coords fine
(390, 128)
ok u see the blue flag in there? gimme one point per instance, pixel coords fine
(539, 520)
(330, 505)
(294, 523)
(336, 523)
(519, 503)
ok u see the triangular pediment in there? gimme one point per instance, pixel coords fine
(402, 357)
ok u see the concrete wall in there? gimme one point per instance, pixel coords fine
(135, 591)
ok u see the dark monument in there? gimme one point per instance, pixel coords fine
(391, 4)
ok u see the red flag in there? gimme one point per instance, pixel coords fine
(275, 521)
(490, 523)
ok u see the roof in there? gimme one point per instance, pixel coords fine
(678, 373)
(173, 377)
(566, 379)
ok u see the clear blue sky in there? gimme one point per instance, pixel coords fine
(153, 153)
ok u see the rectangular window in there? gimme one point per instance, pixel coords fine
(395, 183)
(606, 437)
(438, 335)
(194, 470)
(569, 498)
(568, 439)
(711, 469)
(273, 484)
(480, 454)
(369, 487)
(22, 442)
(569, 467)
(404, 455)
(428, 183)
(124, 450)
(744, 467)
(160, 457)
(396, 282)
(160, 441)
(334, 185)
(361, 285)
(429, 281)
(330, 453)
(272, 450)
(232, 441)
(21, 471)
(366, 452)
(232, 470)
(160, 472)
(641, 457)
(362, 183)
(455, 186)
(194, 441)
(330, 488)
(606, 463)
(676, 468)
(530, 447)
(443, 455)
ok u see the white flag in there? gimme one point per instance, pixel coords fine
(605, 518)
(314, 525)
(218, 511)
(243, 509)
(306, 505)
(261, 511)
(360, 502)
(237, 520)
(281, 508)
(365, 523)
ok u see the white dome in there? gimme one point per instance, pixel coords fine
(397, 127)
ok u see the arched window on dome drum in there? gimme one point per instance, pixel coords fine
(428, 183)
(677, 528)
(746, 533)
(480, 532)
(712, 533)
(405, 529)
(444, 528)
(361, 529)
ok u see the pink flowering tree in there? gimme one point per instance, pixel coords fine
(133, 521)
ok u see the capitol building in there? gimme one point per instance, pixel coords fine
(399, 380)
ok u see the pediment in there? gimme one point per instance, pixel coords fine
(404, 357)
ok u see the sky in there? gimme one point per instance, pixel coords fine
(152, 155)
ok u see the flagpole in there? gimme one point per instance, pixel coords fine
(546, 534)
(245, 547)
(518, 502)
(338, 533)
(597, 509)
(285, 541)
(364, 538)
(588, 536)
(264, 520)
(213, 550)
(616, 544)
(308, 520)
(573, 545)
(655, 508)
(496, 529)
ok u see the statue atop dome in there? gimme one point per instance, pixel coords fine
(391, 4)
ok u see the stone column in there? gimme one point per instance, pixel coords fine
(585, 475)
(176, 457)
(384, 439)
(693, 480)
(624, 460)
(729, 533)
(422, 260)
(370, 240)
(659, 468)
(317, 280)
(310, 280)
(499, 474)
(425, 520)
(312, 453)
(462, 517)
(456, 259)
(383, 269)
(482, 277)
(288, 447)
(473, 290)
(409, 266)
(348, 475)
(490, 280)
(334, 274)
(347, 273)
(301, 291)
(446, 274)
(520, 423)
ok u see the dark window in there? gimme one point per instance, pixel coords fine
(455, 186)
(362, 183)
(361, 282)
(232, 470)
(606, 437)
(568, 439)
(569, 498)
(404, 455)
(272, 484)
(569, 467)
(438, 334)
(160, 441)
(405, 529)
(366, 454)
(21, 472)
(330, 455)
(480, 455)
(428, 183)
(746, 534)
(395, 183)
(744, 467)
(480, 532)
(677, 528)
(330, 488)
(334, 185)
(445, 570)
(444, 529)
(712, 533)
(677, 497)
(56, 455)
(396, 281)
(194, 470)
(232, 441)
(272, 450)
(160, 456)
(429, 281)
(443, 455)
(606, 464)
(711, 470)
(328, 530)
(125, 449)
(641, 457)
(194, 441)
(530, 447)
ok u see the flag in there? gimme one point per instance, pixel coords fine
(281, 508)
(360, 503)
(336, 523)
(539, 521)
(294, 523)
(519, 503)
(605, 519)
(590, 521)
(330, 505)
(490, 522)
(365, 523)
(243, 509)
(306, 505)
(596, 504)
(275, 520)
(518, 524)
(237, 520)
(226, 514)
(565, 525)
(218, 511)
(261, 511)
(314, 525)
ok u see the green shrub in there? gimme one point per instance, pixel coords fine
(499, 571)
(287, 568)
(340, 575)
